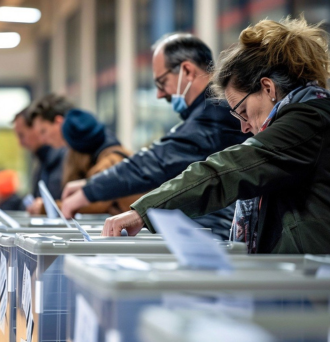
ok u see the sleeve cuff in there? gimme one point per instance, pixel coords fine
(87, 189)
(145, 220)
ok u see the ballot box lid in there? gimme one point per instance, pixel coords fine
(68, 243)
(256, 279)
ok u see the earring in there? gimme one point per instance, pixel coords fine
(273, 99)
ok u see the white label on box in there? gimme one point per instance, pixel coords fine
(86, 327)
(323, 272)
(112, 335)
(27, 303)
(3, 291)
(11, 279)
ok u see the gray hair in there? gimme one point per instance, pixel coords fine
(180, 47)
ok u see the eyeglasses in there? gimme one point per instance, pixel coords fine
(233, 111)
(160, 84)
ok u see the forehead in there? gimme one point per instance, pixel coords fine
(233, 96)
(158, 63)
(38, 121)
(20, 123)
(21, 126)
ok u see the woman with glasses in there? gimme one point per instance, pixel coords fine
(274, 80)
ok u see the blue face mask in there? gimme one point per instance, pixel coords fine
(178, 100)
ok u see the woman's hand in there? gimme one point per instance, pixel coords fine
(130, 220)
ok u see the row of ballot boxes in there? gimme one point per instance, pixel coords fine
(56, 287)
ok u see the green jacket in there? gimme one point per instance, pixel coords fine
(288, 164)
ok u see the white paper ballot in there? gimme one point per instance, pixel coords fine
(82, 231)
(28, 200)
(11, 222)
(86, 325)
(192, 247)
(27, 303)
(3, 291)
(48, 200)
(51, 207)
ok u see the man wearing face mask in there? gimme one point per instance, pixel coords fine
(180, 67)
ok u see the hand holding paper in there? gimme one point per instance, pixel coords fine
(129, 221)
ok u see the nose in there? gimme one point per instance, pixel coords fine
(43, 138)
(245, 127)
(160, 93)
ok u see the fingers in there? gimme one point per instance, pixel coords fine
(130, 221)
(66, 192)
(73, 203)
(72, 187)
(66, 210)
(35, 207)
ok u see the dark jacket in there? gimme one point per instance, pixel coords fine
(14, 202)
(288, 165)
(206, 128)
(82, 165)
(49, 170)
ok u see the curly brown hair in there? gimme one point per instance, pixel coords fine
(290, 52)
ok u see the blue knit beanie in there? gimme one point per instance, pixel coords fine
(82, 131)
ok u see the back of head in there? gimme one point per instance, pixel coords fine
(48, 107)
(84, 133)
(290, 52)
(179, 47)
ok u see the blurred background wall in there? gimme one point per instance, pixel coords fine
(97, 52)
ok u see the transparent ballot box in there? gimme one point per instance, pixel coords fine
(41, 285)
(158, 323)
(7, 289)
(106, 295)
(8, 273)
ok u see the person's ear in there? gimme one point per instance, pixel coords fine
(59, 119)
(189, 70)
(268, 86)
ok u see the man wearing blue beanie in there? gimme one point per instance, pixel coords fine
(91, 147)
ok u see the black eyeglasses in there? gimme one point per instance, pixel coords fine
(159, 84)
(233, 110)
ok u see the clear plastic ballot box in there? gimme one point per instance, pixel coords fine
(7, 289)
(41, 285)
(8, 271)
(189, 325)
(108, 306)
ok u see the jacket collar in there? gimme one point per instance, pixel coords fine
(199, 99)
(42, 152)
(110, 140)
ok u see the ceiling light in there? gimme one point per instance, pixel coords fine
(9, 40)
(19, 14)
